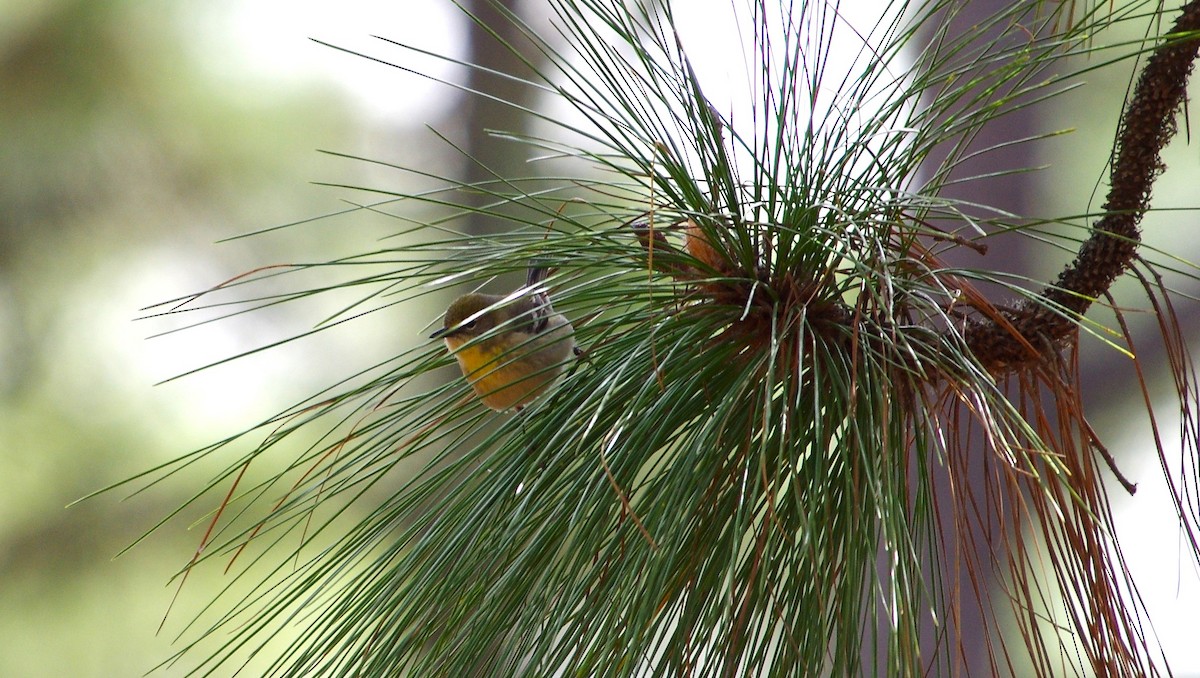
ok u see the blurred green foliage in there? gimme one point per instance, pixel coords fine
(123, 158)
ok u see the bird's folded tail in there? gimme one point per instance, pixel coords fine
(536, 275)
(538, 272)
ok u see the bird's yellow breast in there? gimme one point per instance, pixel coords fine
(502, 379)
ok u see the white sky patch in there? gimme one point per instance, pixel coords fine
(831, 45)
(270, 42)
(1155, 549)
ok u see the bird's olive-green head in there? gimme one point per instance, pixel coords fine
(472, 315)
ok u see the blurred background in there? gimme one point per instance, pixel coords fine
(134, 136)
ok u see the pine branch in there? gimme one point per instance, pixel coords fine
(1147, 126)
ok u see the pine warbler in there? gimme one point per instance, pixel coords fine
(509, 349)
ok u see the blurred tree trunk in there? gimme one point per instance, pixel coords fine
(492, 39)
(984, 184)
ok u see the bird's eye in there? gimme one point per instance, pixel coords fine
(470, 325)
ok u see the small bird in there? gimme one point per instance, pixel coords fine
(510, 351)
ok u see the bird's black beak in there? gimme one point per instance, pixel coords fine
(445, 332)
